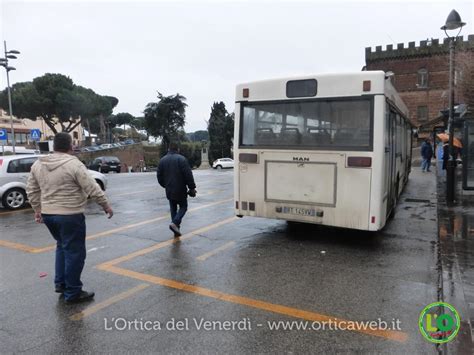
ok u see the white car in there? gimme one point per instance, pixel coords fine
(223, 163)
(14, 171)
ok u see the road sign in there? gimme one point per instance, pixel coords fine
(3, 134)
(35, 135)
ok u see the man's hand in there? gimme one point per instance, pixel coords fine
(192, 192)
(108, 210)
(38, 218)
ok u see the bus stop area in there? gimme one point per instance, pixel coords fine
(234, 285)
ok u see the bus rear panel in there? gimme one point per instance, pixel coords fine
(318, 159)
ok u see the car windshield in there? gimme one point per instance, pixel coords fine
(111, 160)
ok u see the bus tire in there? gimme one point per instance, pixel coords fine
(391, 215)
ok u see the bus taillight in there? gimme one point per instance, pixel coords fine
(366, 85)
(359, 162)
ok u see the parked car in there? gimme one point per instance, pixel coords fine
(106, 146)
(14, 171)
(106, 164)
(129, 141)
(223, 163)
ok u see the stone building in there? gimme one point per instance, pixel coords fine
(421, 73)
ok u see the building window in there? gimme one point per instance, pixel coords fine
(422, 78)
(75, 135)
(422, 113)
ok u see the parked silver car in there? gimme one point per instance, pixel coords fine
(14, 171)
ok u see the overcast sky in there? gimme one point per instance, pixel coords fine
(131, 49)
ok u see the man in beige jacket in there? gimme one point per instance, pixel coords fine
(58, 188)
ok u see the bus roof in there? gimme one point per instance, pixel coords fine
(328, 85)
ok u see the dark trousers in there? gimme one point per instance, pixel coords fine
(177, 215)
(69, 231)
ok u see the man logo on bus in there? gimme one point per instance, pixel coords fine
(300, 159)
(439, 322)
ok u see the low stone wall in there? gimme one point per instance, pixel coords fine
(130, 155)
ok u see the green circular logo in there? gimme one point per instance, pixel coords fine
(439, 322)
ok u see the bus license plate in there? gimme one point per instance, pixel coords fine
(299, 211)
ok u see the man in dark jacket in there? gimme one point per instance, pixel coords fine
(175, 175)
(426, 155)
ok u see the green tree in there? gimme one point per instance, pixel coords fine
(198, 136)
(165, 118)
(192, 152)
(89, 112)
(123, 118)
(138, 123)
(221, 131)
(58, 101)
(105, 106)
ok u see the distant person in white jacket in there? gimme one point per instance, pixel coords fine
(58, 188)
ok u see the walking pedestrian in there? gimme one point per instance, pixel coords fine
(426, 155)
(58, 188)
(176, 176)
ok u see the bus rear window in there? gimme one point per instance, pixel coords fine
(323, 124)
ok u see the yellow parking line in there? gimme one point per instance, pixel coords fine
(133, 225)
(155, 189)
(163, 244)
(117, 298)
(398, 336)
(215, 251)
(34, 250)
(135, 192)
(15, 212)
(17, 246)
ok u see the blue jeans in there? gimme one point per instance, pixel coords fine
(177, 216)
(70, 234)
(425, 164)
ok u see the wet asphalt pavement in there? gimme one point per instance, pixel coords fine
(456, 240)
(252, 271)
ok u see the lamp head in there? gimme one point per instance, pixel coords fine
(453, 21)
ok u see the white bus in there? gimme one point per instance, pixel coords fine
(332, 149)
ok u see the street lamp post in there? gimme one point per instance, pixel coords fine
(453, 22)
(4, 63)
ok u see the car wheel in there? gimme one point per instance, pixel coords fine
(100, 184)
(118, 171)
(219, 167)
(14, 199)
